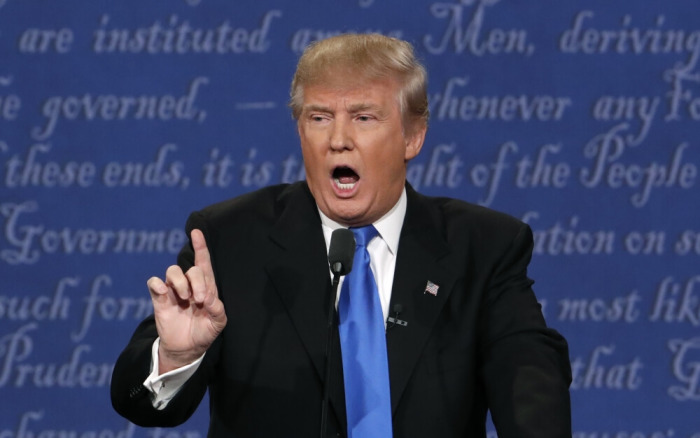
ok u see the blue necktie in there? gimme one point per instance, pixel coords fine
(363, 346)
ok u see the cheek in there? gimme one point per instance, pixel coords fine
(313, 163)
(312, 159)
(395, 155)
(385, 168)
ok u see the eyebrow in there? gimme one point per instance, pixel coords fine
(362, 106)
(352, 109)
(314, 107)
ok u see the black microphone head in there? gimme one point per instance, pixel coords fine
(342, 251)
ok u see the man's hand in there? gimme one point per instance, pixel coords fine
(189, 314)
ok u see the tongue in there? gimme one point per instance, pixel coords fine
(348, 179)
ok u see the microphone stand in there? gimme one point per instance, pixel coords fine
(336, 268)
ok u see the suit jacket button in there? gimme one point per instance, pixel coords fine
(134, 391)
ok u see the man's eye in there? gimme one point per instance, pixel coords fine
(364, 118)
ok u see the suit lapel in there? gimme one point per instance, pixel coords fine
(298, 268)
(421, 257)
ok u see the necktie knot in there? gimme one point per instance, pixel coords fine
(363, 235)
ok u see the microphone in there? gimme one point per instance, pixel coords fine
(341, 251)
(394, 320)
(340, 256)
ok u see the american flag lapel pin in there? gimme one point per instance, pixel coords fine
(431, 288)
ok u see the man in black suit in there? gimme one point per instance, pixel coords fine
(243, 313)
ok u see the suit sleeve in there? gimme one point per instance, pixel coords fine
(526, 365)
(129, 397)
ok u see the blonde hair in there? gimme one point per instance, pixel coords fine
(366, 57)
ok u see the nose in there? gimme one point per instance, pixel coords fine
(341, 135)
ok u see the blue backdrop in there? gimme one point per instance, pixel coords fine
(118, 118)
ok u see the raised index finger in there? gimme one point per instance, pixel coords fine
(202, 259)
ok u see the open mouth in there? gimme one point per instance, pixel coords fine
(345, 178)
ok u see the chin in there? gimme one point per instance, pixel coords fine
(347, 217)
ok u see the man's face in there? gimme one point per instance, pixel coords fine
(355, 148)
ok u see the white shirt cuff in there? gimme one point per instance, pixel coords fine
(165, 386)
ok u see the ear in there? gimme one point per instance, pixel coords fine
(414, 139)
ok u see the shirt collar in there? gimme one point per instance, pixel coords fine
(388, 226)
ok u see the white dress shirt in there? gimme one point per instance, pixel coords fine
(382, 251)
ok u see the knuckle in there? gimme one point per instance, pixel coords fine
(177, 279)
(197, 281)
(173, 271)
(153, 284)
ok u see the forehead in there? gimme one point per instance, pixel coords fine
(348, 90)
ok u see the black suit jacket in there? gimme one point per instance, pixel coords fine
(480, 343)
